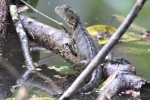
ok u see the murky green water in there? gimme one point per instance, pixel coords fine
(100, 12)
(137, 54)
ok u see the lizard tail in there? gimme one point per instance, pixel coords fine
(94, 82)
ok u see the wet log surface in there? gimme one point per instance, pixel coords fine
(121, 76)
(49, 37)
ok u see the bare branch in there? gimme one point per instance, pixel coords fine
(23, 38)
(49, 37)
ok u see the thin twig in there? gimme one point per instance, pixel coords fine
(104, 51)
(23, 38)
(61, 24)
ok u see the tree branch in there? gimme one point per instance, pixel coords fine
(23, 38)
(49, 37)
(121, 76)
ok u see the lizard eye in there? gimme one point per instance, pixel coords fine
(72, 17)
(65, 9)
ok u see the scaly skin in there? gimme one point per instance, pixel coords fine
(87, 48)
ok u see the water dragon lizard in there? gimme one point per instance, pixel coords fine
(87, 48)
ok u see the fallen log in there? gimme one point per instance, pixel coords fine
(49, 37)
(120, 77)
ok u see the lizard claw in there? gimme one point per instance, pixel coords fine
(82, 94)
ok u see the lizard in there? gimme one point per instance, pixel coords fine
(87, 48)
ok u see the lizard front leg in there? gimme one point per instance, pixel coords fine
(80, 66)
(72, 46)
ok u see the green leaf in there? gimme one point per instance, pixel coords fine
(63, 70)
(104, 32)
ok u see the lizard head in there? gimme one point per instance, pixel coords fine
(67, 14)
